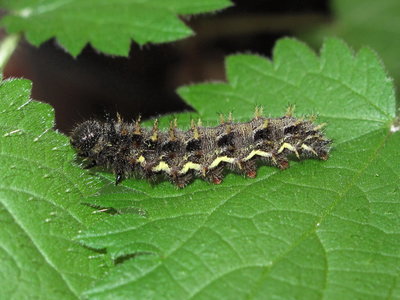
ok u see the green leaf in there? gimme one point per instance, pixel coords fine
(367, 23)
(108, 25)
(40, 204)
(317, 230)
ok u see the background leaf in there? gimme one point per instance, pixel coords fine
(40, 204)
(366, 23)
(108, 25)
(317, 230)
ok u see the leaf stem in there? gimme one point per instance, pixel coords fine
(7, 48)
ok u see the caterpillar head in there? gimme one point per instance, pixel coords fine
(85, 136)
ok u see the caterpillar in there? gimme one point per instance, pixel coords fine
(128, 149)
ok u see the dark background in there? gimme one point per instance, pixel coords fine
(95, 85)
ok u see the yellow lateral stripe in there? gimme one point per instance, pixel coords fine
(308, 148)
(141, 159)
(312, 136)
(190, 166)
(162, 166)
(289, 147)
(220, 159)
(257, 152)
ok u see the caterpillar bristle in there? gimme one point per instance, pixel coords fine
(290, 110)
(154, 131)
(258, 112)
(221, 119)
(137, 126)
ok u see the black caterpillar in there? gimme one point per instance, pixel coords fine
(128, 149)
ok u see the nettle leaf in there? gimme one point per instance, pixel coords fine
(40, 204)
(317, 230)
(108, 25)
(366, 22)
